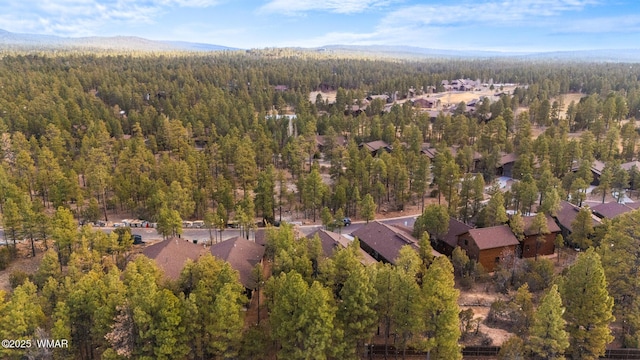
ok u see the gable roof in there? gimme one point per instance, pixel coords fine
(170, 255)
(507, 158)
(332, 241)
(386, 240)
(375, 145)
(456, 228)
(567, 214)
(528, 221)
(242, 255)
(493, 237)
(610, 210)
(629, 165)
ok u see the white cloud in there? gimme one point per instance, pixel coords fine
(85, 17)
(505, 12)
(296, 7)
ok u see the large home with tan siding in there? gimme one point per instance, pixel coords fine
(488, 245)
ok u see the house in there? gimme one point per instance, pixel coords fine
(332, 241)
(171, 255)
(383, 241)
(530, 246)
(566, 215)
(629, 165)
(281, 88)
(488, 245)
(242, 255)
(504, 167)
(449, 241)
(376, 146)
(596, 168)
(426, 103)
(322, 141)
(610, 210)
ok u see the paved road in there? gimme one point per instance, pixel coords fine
(202, 235)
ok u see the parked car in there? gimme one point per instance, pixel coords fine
(346, 221)
(137, 239)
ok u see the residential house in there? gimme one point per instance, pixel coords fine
(504, 167)
(629, 165)
(376, 146)
(488, 245)
(427, 103)
(449, 241)
(332, 241)
(566, 215)
(171, 255)
(596, 170)
(530, 246)
(610, 210)
(242, 255)
(322, 141)
(383, 241)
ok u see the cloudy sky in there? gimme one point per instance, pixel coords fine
(498, 25)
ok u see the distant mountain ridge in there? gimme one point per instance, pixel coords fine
(26, 42)
(18, 41)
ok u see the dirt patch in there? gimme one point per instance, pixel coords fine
(24, 262)
(326, 96)
(566, 99)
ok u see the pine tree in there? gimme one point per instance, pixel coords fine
(582, 229)
(547, 336)
(440, 312)
(588, 307)
(367, 208)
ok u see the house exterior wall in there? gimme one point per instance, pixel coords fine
(488, 257)
(546, 248)
(485, 257)
(465, 241)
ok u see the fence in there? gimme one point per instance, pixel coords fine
(488, 351)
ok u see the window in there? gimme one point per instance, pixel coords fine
(497, 259)
(527, 248)
(466, 242)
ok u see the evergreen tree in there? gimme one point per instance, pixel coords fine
(440, 312)
(547, 336)
(367, 208)
(588, 307)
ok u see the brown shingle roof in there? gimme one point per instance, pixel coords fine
(171, 255)
(331, 241)
(386, 240)
(507, 158)
(375, 145)
(456, 228)
(528, 221)
(610, 210)
(242, 255)
(493, 237)
(567, 214)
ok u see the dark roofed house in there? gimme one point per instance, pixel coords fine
(530, 247)
(332, 241)
(170, 255)
(322, 141)
(596, 170)
(242, 255)
(505, 164)
(426, 103)
(610, 210)
(566, 215)
(375, 146)
(487, 245)
(450, 239)
(383, 242)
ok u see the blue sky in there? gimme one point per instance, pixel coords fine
(497, 25)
